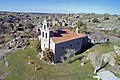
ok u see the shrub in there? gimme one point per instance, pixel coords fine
(119, 18)
(82, 27)
(48, 55)
(106, 18)
(95, 20)
(79, 23)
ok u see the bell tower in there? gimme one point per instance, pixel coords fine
(45, 35)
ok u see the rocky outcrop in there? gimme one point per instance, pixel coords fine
(117, 49)
(108, 58)
(99, 62)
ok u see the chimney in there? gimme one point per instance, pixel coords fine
(77, 30)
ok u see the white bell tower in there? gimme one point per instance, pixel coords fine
(45, 35)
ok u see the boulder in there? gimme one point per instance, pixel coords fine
(117, 49)
(108, 58)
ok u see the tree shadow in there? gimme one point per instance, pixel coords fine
(39, 68)
(102, 67)
(79, 58)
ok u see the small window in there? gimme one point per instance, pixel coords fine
(46, 35)
(43, 34)
(62, 48)
(38, 29)
(44, 26)
(70, 45)
(47, 24)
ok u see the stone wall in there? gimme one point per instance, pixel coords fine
(60, 49)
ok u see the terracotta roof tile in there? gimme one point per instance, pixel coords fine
(64, 35)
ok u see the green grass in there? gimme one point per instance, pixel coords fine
(105, 48)
(20, 70)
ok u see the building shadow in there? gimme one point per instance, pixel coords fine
(84, 48)
(58, 33)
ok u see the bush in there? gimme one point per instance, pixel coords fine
(30, 26)
(82, 27)
(119, 18)
(106, 18)
(79, 23)
(95, 20)
(48, 55)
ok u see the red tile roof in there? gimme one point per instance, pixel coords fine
(64, 35)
